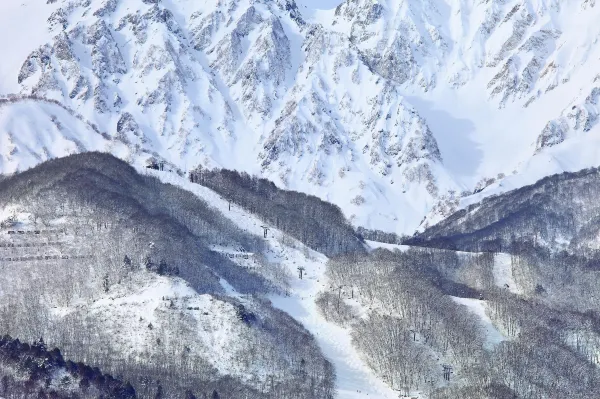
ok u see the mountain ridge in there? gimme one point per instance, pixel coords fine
(387, 109)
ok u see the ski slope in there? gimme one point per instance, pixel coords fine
(503, 273)
(478, 308)
(373, 245)
(354, 379)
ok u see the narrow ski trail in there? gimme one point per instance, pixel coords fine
(354, 379)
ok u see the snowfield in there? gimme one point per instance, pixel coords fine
(390, 247)
(125, 310)
(15, 46)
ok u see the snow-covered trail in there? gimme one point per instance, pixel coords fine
(478, 308)
(354, 378)
(503, 273)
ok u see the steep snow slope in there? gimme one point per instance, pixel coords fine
(34, 131)
(354, 379)
(16, 45)
(387, 108)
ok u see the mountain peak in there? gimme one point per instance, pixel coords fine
(393, 102)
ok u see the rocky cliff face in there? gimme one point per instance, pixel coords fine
(324, 101)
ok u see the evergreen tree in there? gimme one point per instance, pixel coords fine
(128, 391)
(147, 262)
(84, 384)
(163, 268)
(189, 395)
(5, 384)
(159, 391)
(40, 345)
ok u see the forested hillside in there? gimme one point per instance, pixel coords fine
(32, 370)
(167, 283)
(442, 324)
(304, 199)
(499, 300)
(318, 224)
(128, 274)
(559, 212)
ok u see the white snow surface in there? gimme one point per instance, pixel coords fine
(373, 245)
(389, 109)
(478, 308)
(126, 308)
(354, 379)
(503, 273)
(18, 40)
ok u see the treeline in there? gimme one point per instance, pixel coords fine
(418, 337)
(318, 224)
(414, 326)
(380, 236)
(34, 371)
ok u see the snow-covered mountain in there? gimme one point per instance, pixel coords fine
(390, 109)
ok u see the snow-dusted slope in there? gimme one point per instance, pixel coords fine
(354, 378)
(387, 108)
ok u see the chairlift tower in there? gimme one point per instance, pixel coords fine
(265, 230)
(447, 371)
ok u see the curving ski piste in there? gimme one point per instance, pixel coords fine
(354, 379)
